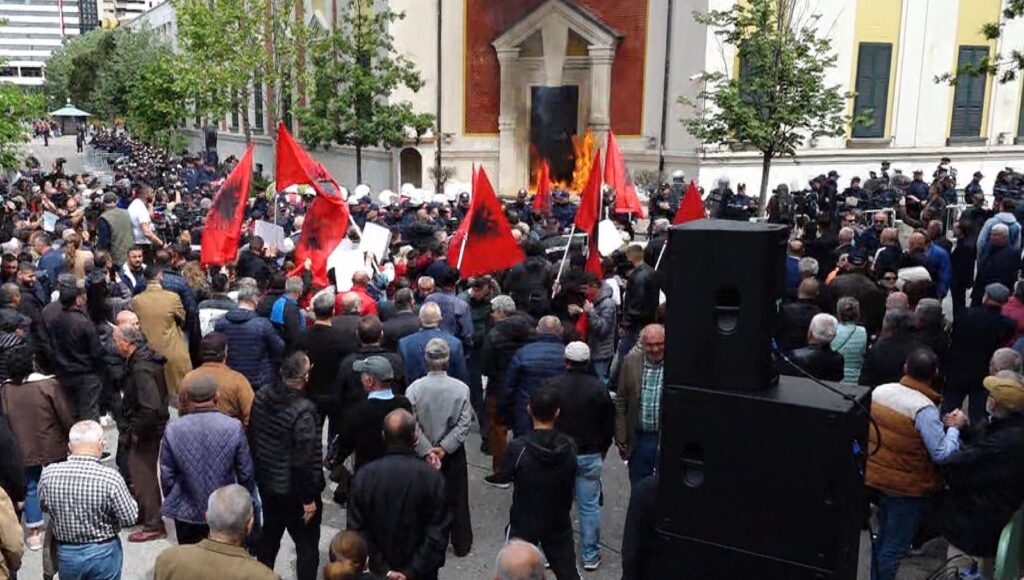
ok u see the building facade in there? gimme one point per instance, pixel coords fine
(514, 81)
(33, 29)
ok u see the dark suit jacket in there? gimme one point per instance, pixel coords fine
(399, 326)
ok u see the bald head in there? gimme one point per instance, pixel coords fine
(889, 236)
(918, 242)
(808, 289)
(351, 303)
(400, 429)
(549, 325)
(897, 301)
(796, 248)
(519, 560)
(127, 319)
(430, 315)
(360, 278)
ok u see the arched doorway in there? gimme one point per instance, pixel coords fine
(411, 166)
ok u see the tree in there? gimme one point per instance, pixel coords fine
(355, 72)
(1003, 67)
(155, 106)
(18, 107)
(781, 97)
(134, 50)
(74, 70)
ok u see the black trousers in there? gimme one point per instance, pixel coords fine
(189, 533)
(282, 513)
(83, 392)
(559, 550)
(456, 499)
(476, 391)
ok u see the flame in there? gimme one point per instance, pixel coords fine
(583, 155)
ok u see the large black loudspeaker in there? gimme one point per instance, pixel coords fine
(723, 290)
(764, 484)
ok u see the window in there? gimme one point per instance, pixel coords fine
(969, 95)
(874, 61)
(31, 71)
(257, 104)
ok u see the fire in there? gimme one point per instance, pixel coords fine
(583, 154)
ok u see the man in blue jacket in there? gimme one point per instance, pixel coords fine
(254, 347)
(531, 366)
(412, 347)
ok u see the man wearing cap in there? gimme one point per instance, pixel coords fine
(114, 230)
(200, 453)
(442, 409)
(77, 355)
(563, 210)
(918, 187)
(361, 428)
(912, 442)
(412, 347)
(977, 332)
(985, 479)
(974, 188)
(588, 418)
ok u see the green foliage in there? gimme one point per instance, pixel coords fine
(355, 72)
(155, 105)
(17, 107)
(783, 98)
(1004, 67)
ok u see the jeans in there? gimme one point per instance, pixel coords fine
(33, 513)
(898, 518)
(644, 458)
(603, 369)
(588, 503)
(90, 561)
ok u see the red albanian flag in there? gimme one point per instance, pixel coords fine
(616, 175)
(587, 215)
(224, 220)
(324, 228)
(542, 199)
(691, 208)
(295, 167)
(486, 234)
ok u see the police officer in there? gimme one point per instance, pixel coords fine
(563, 210)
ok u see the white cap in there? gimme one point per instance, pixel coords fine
(288, 245)
(415, 197)
(407, 189)
(577, 351)
(361, 190)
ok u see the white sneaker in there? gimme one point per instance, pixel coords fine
(106, 421)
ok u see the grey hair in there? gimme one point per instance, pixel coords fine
(323, 305)
(847, 234)
(1001, 228)
(808, 267)
(228, 510)
(823, 327)
(848, 309)
(132, 335)
(549, 325)
(503, 572)
(503, 303)
(85, 432)
(1005, 359)
(293, 285)
(437, 353)
(247, 293)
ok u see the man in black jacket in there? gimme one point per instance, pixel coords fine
(795, 317)
(639, 303)
(962, 258)
(1000, 262)
(511, 330)
(397, 504)
(325, 346)
(884, 361)
(31, 305)
(403, 323)
(361, 430)
(252, 264)
(985, 479)
(542, 466)
(349, 385)
(817, 358)
(288, 460)
(77, 353)
(588, 418)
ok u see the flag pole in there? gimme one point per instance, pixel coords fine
(661, 254)
(462, 250)
(565, 256)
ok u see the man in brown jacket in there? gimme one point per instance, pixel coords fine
(234, 393)
(638, 404)
(161, 318)
(221, 556)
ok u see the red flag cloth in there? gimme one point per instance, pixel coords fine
(224, 220)
(588, 213)
(295, 167)
(691, 208)
(324, 228)
(617, 176)
(490, 246)
(542, 199)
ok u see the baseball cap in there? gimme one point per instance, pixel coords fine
(857, 258)
(577, 351)
(377, 367)
(1006, 388)
(998, 292)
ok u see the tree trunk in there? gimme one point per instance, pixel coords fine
(359, 164)
(246, 128)
(766, 167)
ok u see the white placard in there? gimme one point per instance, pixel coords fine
(272, 234)
(345, 263)
(376, 240)
(608, 238)
(50, 221)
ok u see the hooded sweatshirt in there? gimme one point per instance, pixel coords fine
(542, 465)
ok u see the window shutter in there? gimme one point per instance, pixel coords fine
(874, 62)
(969, 95)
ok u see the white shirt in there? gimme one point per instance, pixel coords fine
(139, 214)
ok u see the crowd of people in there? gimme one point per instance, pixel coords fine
(224, 383)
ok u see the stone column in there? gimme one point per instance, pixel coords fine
(507, 60)
(601, 58)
